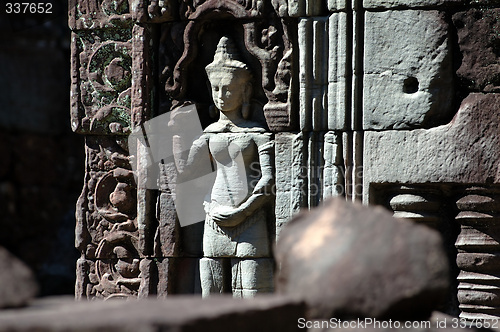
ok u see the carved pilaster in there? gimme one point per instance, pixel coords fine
(421, 205)
(478, 253)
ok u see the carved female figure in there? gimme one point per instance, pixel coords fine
(236, 240)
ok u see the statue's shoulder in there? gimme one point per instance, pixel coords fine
(215, 127)
(246, 127)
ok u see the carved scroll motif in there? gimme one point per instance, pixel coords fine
(106, 231)
(99, 14)
(102, 93)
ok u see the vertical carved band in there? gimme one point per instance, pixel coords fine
(479, 253)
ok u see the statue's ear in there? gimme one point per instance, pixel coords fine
(247, 94)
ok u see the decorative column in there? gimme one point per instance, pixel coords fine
(478, 253)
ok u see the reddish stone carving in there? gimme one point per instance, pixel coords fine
(99, 14)
(118, 265)
(101, 85)
(479, 41)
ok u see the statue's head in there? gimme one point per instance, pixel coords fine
(230, 78)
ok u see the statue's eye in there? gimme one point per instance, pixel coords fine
(216, 88)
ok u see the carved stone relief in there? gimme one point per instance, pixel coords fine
(379, 101)
(100, 14)
(101, 87)
(268, 46)
(106, 230)
(236, 239)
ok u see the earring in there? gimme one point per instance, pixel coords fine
(213, 112)
(245, 110)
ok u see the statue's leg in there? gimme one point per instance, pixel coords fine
(212, 275)
(252, 276)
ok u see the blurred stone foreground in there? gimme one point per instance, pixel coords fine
(342, 260)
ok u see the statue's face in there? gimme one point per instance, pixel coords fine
(228, 89)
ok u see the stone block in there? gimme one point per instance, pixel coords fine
(479, 43)
(322, 72)
(289, 176)
(183, 314)
(464, 151)
(17, 283)
(298, 8)
(334, 5)
(346, 260)
(167, 233)
(407, 70)
(333, 171)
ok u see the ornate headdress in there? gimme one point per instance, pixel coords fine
(226, 59)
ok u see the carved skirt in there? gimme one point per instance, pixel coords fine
(250, 239)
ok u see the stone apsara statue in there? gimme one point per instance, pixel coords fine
(236, 241)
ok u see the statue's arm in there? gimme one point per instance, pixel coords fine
(265, 184)
(191, 159)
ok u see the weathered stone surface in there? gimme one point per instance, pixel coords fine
(270, 313)
(322, 72)
(334, 5)
(478, 291)
(407, 80)
(334, 167)
(289, 177)
(479, 42)
(17, 283)
(298, 8)
(101, 80)
(351, 261)
(107, 234)
(107, 203)
(93, 14)
(409, 3)
(464, 151)
(463, 154)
